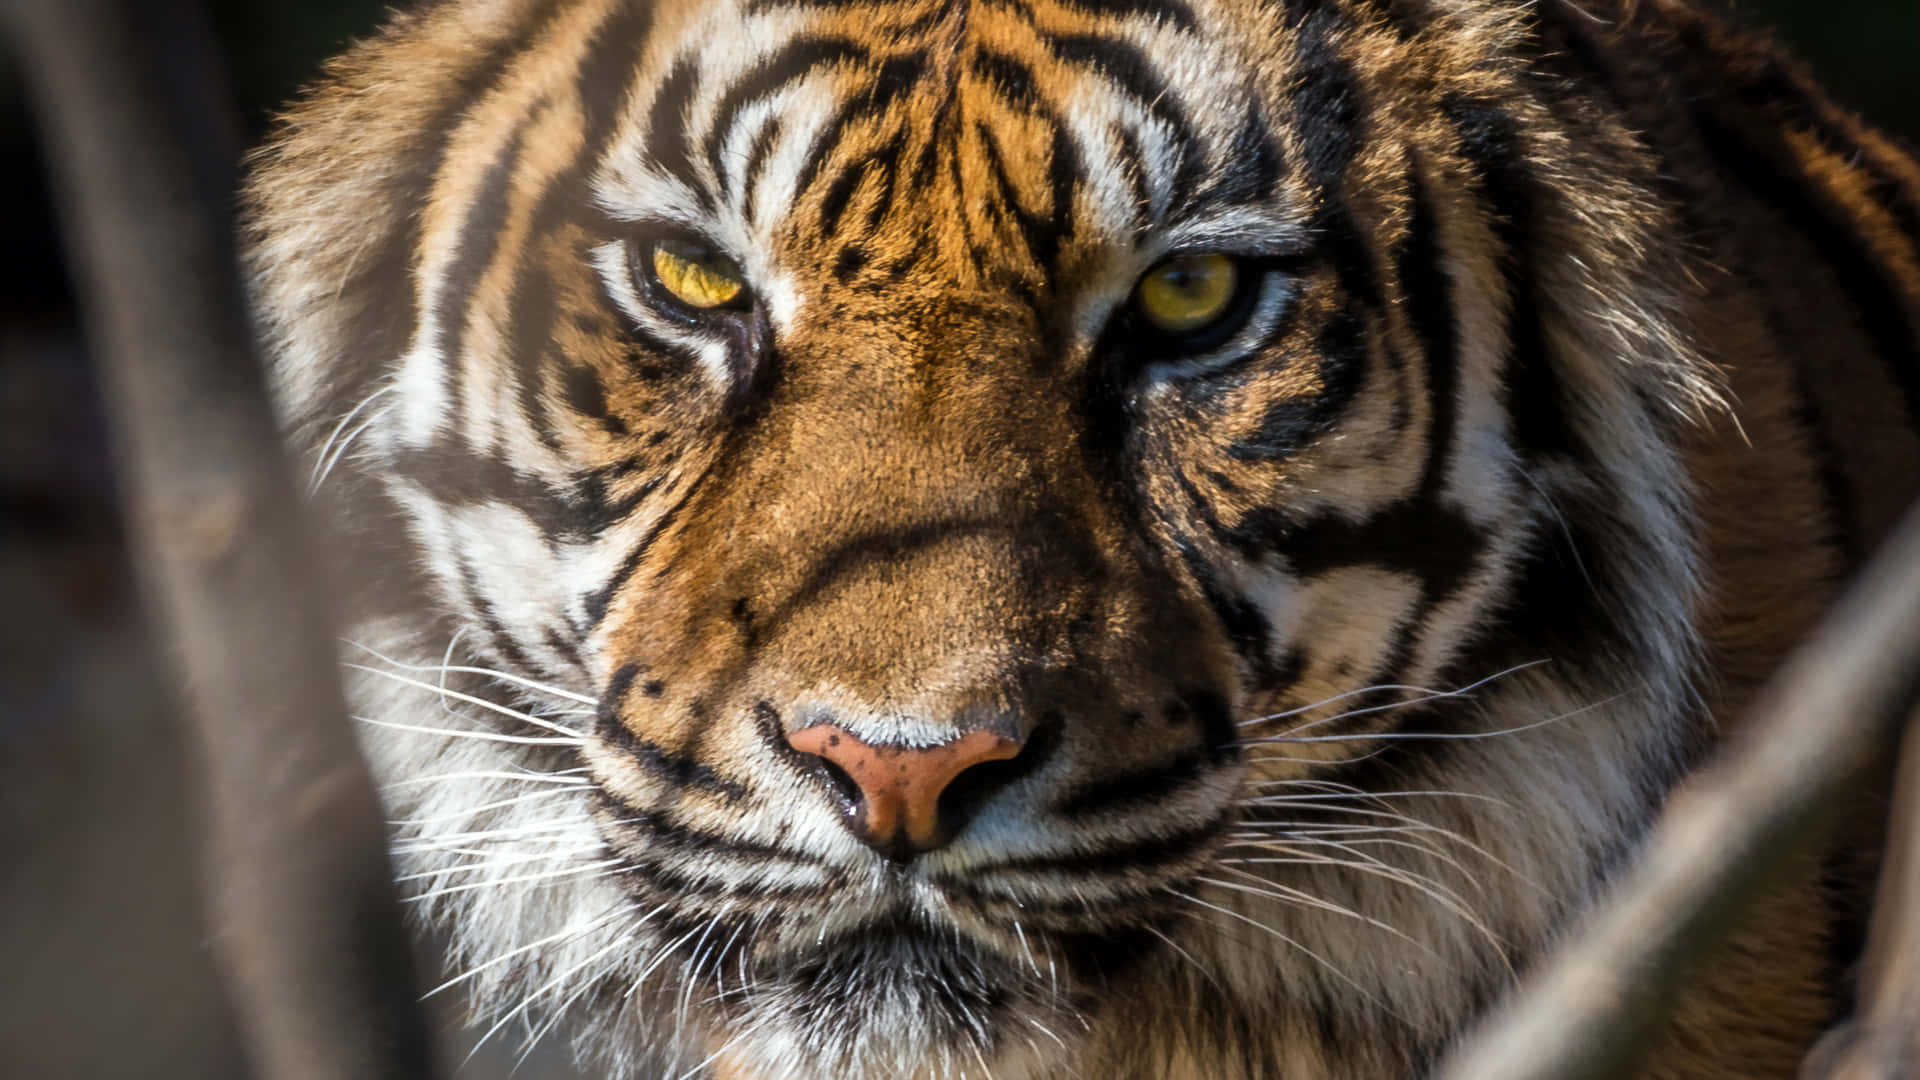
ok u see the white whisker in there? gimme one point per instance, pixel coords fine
(491, 706)
(327, 458)
(504, 676)
(1429, 695)
(526, 1002)
(1355, 793)
(1274, 891)
(472, 812)
(478, 736)
(570, 932)
(1326, 964)
(1463, 736)
(1367, 864)
(552, 875)
(496, 774)
(1415, 825)
(1197, 966)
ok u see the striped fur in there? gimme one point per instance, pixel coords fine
(1580, 368)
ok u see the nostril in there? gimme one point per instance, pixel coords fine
(842, 783)
(964, 797)
(975, 785)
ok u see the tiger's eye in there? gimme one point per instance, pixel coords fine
(1187, 292)
(697, 276)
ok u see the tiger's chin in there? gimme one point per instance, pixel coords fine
(903, 1000)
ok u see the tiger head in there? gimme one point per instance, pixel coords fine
(905, 539)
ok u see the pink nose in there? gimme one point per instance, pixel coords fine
(896, 789)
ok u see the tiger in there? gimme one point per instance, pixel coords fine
(1035, 539)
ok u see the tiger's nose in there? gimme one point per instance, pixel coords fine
(893, 792)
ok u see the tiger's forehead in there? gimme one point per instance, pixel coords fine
(979, 145)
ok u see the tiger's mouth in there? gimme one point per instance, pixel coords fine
(894, 959)
(903, 966)
(904, 988)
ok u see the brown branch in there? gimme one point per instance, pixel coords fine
(1834, 708)
(302, 916)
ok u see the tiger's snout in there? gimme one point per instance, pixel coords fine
(895, 796)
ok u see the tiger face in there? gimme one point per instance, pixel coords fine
(949, 539)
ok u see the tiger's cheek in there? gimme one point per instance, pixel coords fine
(1349, 500)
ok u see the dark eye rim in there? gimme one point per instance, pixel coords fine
(654, 292)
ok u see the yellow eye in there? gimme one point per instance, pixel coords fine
(1187, 292)
(697, 276)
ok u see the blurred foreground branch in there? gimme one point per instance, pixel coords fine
(1838, 705)
(1882, 1041)
(302, 914)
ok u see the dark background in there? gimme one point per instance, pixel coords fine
(102, 972)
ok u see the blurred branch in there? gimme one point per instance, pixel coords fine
(302, 914)
(1836, 706)
(1882, 1041)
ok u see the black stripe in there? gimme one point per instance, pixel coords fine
(530, 343)
(384, 285)
(1129, 69)
(564, 648)
(681, 771)
(474, 252)
(1538, 409)
(761, 7)
(1291, 423)
(614, 698)
(654, 830)
(839, 193)
(1417, 537)
(1429, 297)
(1782, 183)
(796, 60)
(667, 143)
(1121, 861)
(1009, 78)
(848, 264)
(1340, 241)
(1252, 166)
(596, 503)
(1240, 619)
(497, 635)
(599, 600)
(584, 392)
(1042, 233)
(1142, 789)
(1134, 165)
(757, 152)
(1326, 97)
(603, 82)
(897, 77)
(1170, 11)
(458, 478)
(1772, 83)
(887, 161)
